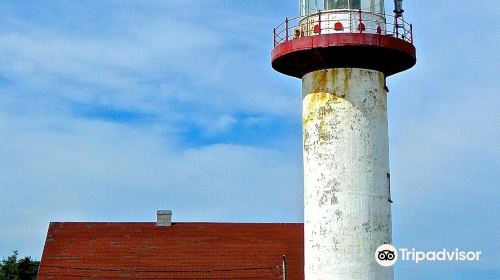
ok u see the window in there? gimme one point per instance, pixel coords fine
(389, 186)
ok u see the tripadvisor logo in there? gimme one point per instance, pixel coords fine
(387, 255)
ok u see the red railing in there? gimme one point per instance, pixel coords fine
(342, 21)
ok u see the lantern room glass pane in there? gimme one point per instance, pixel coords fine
(313, 6)
(336, 4)
(374, 6)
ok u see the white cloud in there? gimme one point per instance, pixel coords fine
(180, 71)
(58, 165)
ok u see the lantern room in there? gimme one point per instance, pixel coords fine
(341, 16)
(343, 34)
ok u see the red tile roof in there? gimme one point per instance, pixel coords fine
(182, 251)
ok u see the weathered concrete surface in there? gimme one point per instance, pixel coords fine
(346, 165)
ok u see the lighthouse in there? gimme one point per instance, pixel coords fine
(343, 51)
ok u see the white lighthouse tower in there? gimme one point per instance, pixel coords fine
(343, 50)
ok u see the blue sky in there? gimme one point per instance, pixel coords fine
(110, 110)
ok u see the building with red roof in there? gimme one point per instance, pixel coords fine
(89, 250)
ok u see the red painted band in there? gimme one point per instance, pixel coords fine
(399, 53)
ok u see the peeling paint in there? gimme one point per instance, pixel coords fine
(346, 161)
(338, 213)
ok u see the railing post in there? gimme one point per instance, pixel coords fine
(319, 21)
(396, 25)
(274, 36)
(286, 29)
(360, 22)
(411, 33)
